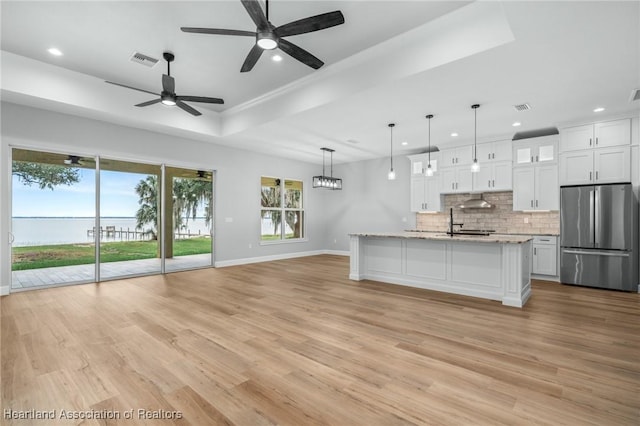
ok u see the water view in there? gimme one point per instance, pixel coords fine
(34, 231)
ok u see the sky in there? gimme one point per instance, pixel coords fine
(117, 197)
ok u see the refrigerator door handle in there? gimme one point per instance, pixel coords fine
(596, 216)
(592, 197)
(598, 253)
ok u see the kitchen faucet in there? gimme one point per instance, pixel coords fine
(451, 224)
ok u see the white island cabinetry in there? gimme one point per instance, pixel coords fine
(495, 267)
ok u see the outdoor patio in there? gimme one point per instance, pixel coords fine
(43, 277)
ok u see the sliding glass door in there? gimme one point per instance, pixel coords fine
(84, 219)
(129, 218)
(188, 210)
(53, 219)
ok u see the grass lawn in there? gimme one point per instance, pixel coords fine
(34, 257)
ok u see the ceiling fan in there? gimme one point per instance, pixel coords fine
(168, 95)
(269, 37)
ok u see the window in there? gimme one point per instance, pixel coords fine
(282, 213)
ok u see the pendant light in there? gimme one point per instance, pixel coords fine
(429, 171)
(475, 167)
(327, 182)
(391, 175)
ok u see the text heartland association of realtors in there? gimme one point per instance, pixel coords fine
(140, 414)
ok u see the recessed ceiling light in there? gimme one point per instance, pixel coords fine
(276, 58)
(454, 134)
(599, 109)
(405, 143)
(516, 124)
(55, 52)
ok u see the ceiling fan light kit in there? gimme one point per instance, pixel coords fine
(168, 95)
(269, 37)
(327, 182)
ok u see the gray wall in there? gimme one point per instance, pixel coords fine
(368, 202)
(237, 185)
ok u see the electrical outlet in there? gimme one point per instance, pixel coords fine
(526, 220)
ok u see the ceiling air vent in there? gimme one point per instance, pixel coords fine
(522, 107)
(635, 95)
(145, 60)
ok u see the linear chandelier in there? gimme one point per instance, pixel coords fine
(327, 182)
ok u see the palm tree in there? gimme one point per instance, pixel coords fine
(147, 213)
(188, 196)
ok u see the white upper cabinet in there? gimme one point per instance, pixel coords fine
(536, 188)
(456, 156)
(535, 150)
(494, 151)
(598, 135)
(420, 162)
(605, 165)
(596, 153)
(456, 179)
(425, 190)
(493, 176)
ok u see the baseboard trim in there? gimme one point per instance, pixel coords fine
(249, 260)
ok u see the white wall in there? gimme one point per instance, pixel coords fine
(237, 178)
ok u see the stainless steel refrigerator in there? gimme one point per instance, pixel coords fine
(599, 236)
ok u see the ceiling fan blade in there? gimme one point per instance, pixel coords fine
(168, 84)
(313, 23)
(129, 87)
(144, 104)
(187, 108)
(255, 11)
(218, 31)
(299, 54)
(200, 99)
(252, 58)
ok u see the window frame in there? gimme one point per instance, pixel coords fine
(283, 212)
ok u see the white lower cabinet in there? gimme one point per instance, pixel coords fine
(603, 165)
(536, 188)
(493, 177)
(456, 179)
(425, 194)
(545, 255)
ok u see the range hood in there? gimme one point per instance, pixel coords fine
(475, 202)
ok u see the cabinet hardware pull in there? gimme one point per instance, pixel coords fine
(536, 203)
(453, 160)
(531, 203)
(590, 141)
(534, 251)
(596, 141)
(489, 183)
(493, 183)
(489, 156)
(453, 185)
(536, 158)
(532, 158)
(590, 174)
(493, 155)
(596, 175)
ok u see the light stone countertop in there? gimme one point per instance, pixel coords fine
(493, 238)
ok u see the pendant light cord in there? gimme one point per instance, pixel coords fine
(391, 125)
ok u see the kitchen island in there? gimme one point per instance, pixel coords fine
(495, 267)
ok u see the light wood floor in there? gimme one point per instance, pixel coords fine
(295, 342)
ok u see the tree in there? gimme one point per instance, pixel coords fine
(45, 175)
(188, 196)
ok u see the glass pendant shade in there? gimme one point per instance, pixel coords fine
(391, 175)
(429, 170)
(475, 167)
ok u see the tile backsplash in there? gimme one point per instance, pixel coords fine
(501, 218)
